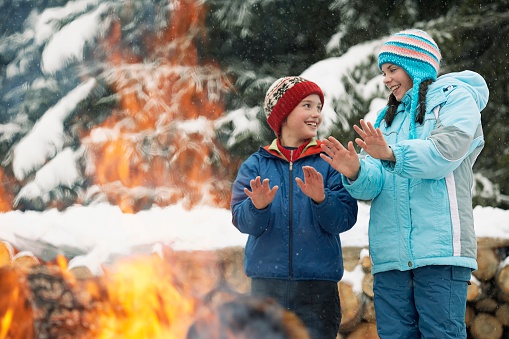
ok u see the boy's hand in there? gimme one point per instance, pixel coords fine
(312, 186)
(261, 194)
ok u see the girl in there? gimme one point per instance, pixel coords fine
(418, 174)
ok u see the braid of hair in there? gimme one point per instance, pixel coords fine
(392, 107)
(423, 89)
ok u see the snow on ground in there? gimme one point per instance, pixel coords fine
(104, 230)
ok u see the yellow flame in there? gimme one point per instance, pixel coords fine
(7, 318)
(144, 301)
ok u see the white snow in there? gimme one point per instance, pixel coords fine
(329, 73)
(46, 138)
(68, 43)
(102, 232)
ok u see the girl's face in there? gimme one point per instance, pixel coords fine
(396, 80)
(302, 123)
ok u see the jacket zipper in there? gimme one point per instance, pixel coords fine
(290, 226)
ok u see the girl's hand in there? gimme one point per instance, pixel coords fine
(373, 141)
(345, 161)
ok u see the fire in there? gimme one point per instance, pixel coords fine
(146, 296)
(13, 306)
(6, 196)
(160, 145)
(145, 301)
(168, 294)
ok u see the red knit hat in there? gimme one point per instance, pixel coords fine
(282, 97)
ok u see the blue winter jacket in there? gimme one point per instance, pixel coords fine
(421, 209)
(292, 238)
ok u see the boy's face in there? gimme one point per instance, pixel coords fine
(396, 80)
(302, 123)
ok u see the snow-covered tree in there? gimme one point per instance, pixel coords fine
(157, 101)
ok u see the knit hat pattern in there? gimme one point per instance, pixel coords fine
(418, 54)
(284, 95)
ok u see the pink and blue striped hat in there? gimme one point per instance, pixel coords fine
(418, 54)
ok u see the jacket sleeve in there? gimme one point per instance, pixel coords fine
(245, 216)
(369, 182)
(458, 135)
(338, 212)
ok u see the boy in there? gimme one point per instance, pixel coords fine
(293, 252)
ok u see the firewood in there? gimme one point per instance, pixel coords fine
(369, 311)
(81, 272)
(14, 305)
(6, 253)
(488, 305)
(25, 260)
(469, 315)
(363, 331)
(502, 314)
(365, 261)
(351, 307)
(473, 290)
(59, 309)
(367, 285)
(351, 257)
(231, 267)
(492, 243)
(486, 326)
(502, 282)
(487, 262)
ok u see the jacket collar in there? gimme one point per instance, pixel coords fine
(312, 147)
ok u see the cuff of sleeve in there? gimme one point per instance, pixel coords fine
(394, 166)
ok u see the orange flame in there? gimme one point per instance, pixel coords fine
(6, 196)
(161, 146)
(137, 297)
(144, 301)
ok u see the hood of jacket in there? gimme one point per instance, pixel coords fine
(469, 80)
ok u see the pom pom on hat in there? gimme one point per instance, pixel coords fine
(282, 97)
(418, 54)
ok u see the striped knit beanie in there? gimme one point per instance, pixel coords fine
(282, 97)
(418, 54)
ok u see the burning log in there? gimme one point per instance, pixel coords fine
(60, 309)
(55, 299)
(24, 260)
(14, 305)
(6, 253)
(248, 317)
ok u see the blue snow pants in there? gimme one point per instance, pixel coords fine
(315, 302)
(426, 302)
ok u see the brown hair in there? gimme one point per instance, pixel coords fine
(393, 104)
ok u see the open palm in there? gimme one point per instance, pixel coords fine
(372, 141)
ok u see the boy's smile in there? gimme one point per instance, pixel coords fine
(303, 122)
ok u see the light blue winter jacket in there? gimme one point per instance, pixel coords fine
(421, 209)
